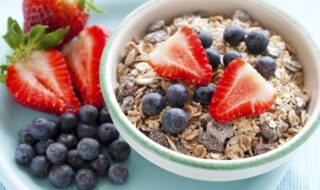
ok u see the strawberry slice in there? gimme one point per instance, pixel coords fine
(241, 91)
(83, 57)
(42, 82)
(182, 57)
(36, 77)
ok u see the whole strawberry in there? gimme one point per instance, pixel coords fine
(37, 76)
(57, 14)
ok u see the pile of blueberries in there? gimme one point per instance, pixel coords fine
(256, 41)
(70, 149)
(175, 120)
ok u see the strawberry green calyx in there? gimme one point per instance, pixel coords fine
(36, 39)
(3, 73)
(89, 4)
(23, 44)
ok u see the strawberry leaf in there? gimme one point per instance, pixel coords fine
(3, 73)
(52, 39)
(3, 78)
(14, 37)
(89, 4)
(37, 38)
(35, 34)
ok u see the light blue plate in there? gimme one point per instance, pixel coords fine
(143, 174)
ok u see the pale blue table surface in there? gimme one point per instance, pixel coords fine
(304, 170)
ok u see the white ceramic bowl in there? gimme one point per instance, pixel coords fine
(211, 170)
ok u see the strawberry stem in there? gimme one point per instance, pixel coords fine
(89, 4)
(37, 38)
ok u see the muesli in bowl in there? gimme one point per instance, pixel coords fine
(213, 87)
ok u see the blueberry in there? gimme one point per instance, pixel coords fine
(266, 66)
(118, 174)
(203, 94)
(42, 146)
(69, 140)
(86, 131)
(107, 133)
(100, 165)
(175, 121)
(40, 166)
(57, 153)
(119, 150)
(214, 58)
(234, 35)
(74, 159)
(88, 114)
(54, 129)
(230, 56)
(41, 129)
(205, 38)
(67, 122)
(152, 104)
(61, 176)
(104, 116)
(257, 41)
(177, 95)
(24, 154)
(88, 148)
(85, 179)
(25, 135)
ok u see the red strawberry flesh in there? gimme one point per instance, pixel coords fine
(182, 57)
(241, 91)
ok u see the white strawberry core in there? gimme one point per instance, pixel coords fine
(34, 70)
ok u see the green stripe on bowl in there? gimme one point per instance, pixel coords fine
(167, 154)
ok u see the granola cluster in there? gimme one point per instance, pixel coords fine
(204, 137)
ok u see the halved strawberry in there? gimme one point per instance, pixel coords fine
(36, 78)
(42, 82)
(241, 91)
(182, 57)
(83, 57)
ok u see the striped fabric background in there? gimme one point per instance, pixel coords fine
(304, 170)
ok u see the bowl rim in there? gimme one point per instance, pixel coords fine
(179, 158)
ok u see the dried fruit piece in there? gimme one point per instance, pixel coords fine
(127, 103)
(157, 25)
(156, 37)
(241, 15)
(126, 87)
(211, 143)
(220, 131)
(159, 137)
(215, 136)
(263, 148)
(270, 130)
